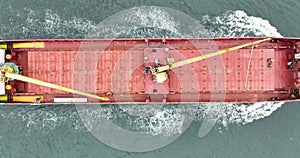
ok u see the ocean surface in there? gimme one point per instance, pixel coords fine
(268, 130)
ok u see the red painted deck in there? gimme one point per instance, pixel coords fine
(116, 67)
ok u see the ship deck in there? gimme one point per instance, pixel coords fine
(114, 68)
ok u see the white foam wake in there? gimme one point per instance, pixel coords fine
(243, 113)
(239, 24)
(131, 21)
(32, 24)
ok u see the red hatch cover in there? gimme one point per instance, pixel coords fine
(150, 55)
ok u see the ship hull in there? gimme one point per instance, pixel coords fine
(114, 68)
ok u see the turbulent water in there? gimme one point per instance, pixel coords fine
(204, 130)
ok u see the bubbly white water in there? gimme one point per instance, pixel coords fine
(239, 24)
(243, 113)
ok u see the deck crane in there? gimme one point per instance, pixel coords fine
(8, 72)
(160, 72)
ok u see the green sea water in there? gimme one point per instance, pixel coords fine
(228, 130)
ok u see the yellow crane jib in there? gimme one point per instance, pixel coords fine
(195, 59)
(51, 85)
(7, 73)
(160, 69)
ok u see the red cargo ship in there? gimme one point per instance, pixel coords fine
(167, 71)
